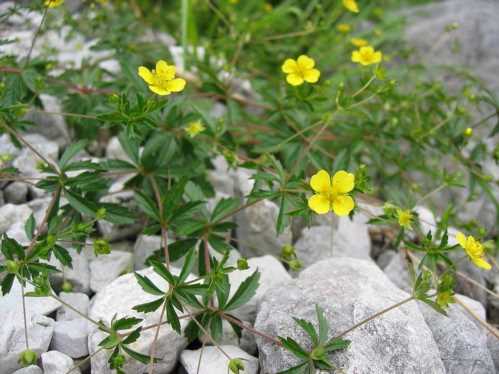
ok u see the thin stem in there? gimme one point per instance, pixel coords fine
(28, 57)
(89, 357)
(153, 345)
(210, 338)
(489, 327)
(26, 340)
(364, 87)
(69, 306)
(376, 315)
(250, 328)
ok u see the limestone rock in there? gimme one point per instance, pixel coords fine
(105, 268)
(214, 361)
(54, 362)
(349, 291)
(71, 337)
(11, 214)
(77, 300)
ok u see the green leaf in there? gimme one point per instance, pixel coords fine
(309, 329)
(323, 325)
(133, 336)
(109, 341)
(29, 227)
(223, 208)
(149, 307)
(245, 292)
(161, 269)
(125, 323)
(189, 261)
(63, 256)
(7, 282)
(147, 285)
(298, 369)
(70, 152)
(130, 146)
(138, 356)
(291, 345)
(172, 317)
(80, 204)
(147, 205)
(336, 344)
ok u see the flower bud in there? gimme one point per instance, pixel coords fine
(242, 264)
(101, 247)
(12, 266)
(27, 358)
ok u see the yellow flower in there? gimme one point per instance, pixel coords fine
(468, 132)
(351, 5)
(344, 28)
(359, 42)
(367, 56)
(332, 193)
(300, 70)
(474, 249)
(53, 3)
(404, 218)
(194, 128)
(162, 81)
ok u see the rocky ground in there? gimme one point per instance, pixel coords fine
(347, 267)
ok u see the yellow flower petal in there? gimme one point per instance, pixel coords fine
(377, 57)
(343, 205)
(176, 85)
(312, 75)
(321, 181)
(319, 203)
(289, 66)
(145, 74)
(359, 42)
(351, 5)
(356, 56)
(164, 70)
(294, 79)
(305, 63)
(159, 90)
(481, 263)
(343, 182)
(461, 239)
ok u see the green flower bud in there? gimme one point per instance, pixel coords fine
(117, 361)
(12, 266)
(242, 263)
(101, 247)
(101, 213)
(295, 265)
(288, 251)
(27, 358)
(317, 353)
(67, 286)
(235, 365)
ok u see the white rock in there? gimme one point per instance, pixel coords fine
(119, 297)
(32, 369)
(221, 177)
(256, 230)
(145, 246)
(214, 361)
(10, 214)
(16, 193)
(12, 341)
(17, 232)
(426, 219)
(77, 300)
(272, 273)
(54, 362)
(243, 184)
(11, 305)
(26, 161)
(71, 337)
(385, 258)
(105, 268)
(114, 150)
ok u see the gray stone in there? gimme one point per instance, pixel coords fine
(54, 362)
(27, 161)
(256, 230)
(119, 297)
(462, 343)
(396, 271)
(221, 177)
(272, 273)
(349, 291)
(472, 44)
(493, 344)
(12, 341)
(78, 274)
(71, 337)
(11, 304)
(10, 214)
(32, 369)
(145, 247)
(350, 239)
(385, 258)
(211, 360)
(105, 268)
(16, 193)
(18, 233)
(114, 150)
(77, 300)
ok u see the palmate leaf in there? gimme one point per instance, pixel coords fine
(145, 359)
(150, 306)
(337, 344)
(133, 336)
(309, 329)
(63, 256)
(125, 323)
(291, 345)
(301, 368)
(323, 325)
(245, 292)
(70, 152)
(7, 282)
(172, 318)
(161, 270)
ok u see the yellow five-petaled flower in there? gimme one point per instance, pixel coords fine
(332, 193)
(351, 5)
(194, 128)
(405, 218)
(367, 56)
(474, 249)
(300, 70)
(162, 80)
(53, 3)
